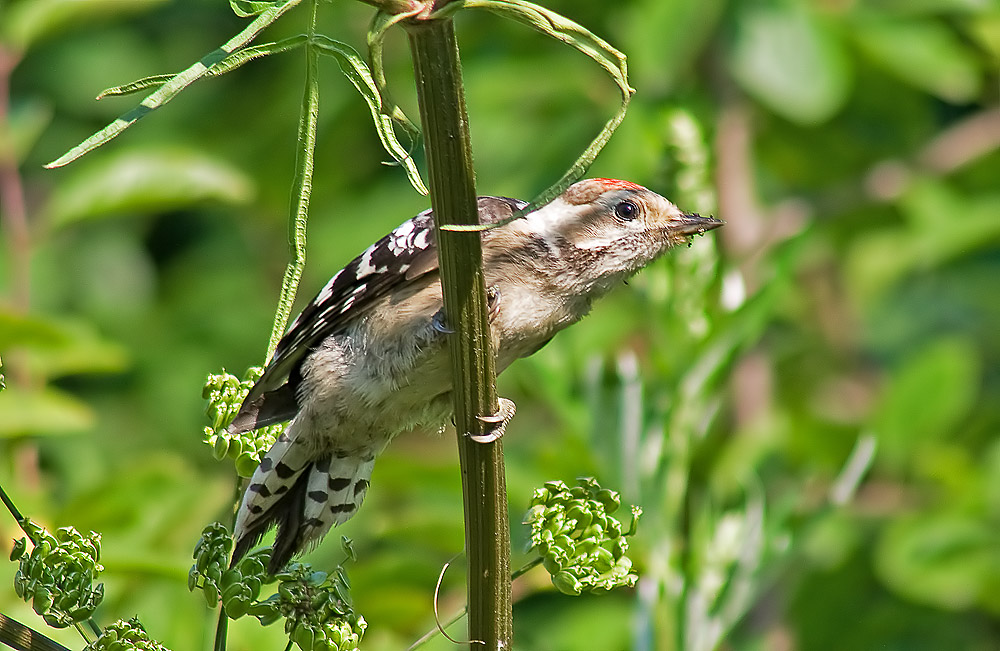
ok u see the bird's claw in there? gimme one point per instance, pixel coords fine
(496, 423)
(493, 302)
(437, 322)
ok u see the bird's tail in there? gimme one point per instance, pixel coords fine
(302, 495)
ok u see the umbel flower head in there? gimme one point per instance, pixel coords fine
(581, 545)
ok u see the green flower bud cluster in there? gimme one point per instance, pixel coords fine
(316, 606)
(225, 394)
(317, 609)
(125, 636)
(238, 587)
(581, 545)
(57, 576)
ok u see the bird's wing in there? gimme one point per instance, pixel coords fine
(405, 254)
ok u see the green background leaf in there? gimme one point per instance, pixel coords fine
(143, 181)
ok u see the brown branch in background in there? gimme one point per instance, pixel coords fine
(951, 149)
(14, 222)
(12, 204)
(962, 143)
(752, 231)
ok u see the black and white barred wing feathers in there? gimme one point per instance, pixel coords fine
(350, 293)
(407, 253)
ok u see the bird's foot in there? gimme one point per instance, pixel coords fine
(496, 424)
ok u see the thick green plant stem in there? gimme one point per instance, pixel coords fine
(304, 159)
(453, 197)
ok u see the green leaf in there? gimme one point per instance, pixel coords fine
(551, 24)
(29, 21)
(246, 8)
(230, 63)
(153, 81)
(790, 60)
(179, 82)
(356, 70)
(247, 54)
(29, 330)
(927, 398)
(40, 412)
(942, 226)
(144, 181)
(84, 352)
(948, 560)
(985, 30)
(924, 53)
(59, 347)
(935, 7)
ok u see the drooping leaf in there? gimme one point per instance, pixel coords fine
(357, 72)
(551, 24)
(584, 41)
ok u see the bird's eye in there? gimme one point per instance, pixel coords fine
(626, 211)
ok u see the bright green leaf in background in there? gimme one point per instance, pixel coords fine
(55, 348)
(42, 412)
(985, 30)
(153, 179)
(27, 122)
(942, 225)
(925, 53)
(922, 7)
(946, 559)
(926, 399)
(790, 60)
(667, 36)
(25, 22)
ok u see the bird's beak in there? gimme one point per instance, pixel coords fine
(694, 224)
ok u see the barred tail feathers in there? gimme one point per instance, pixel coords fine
(302, 495)
(337, 486)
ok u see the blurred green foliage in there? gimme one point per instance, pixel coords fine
(805, 403)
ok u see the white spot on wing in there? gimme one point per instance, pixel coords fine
(420, 241)
(327, 291)
(365, 267)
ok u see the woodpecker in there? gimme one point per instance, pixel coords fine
(368, 358)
